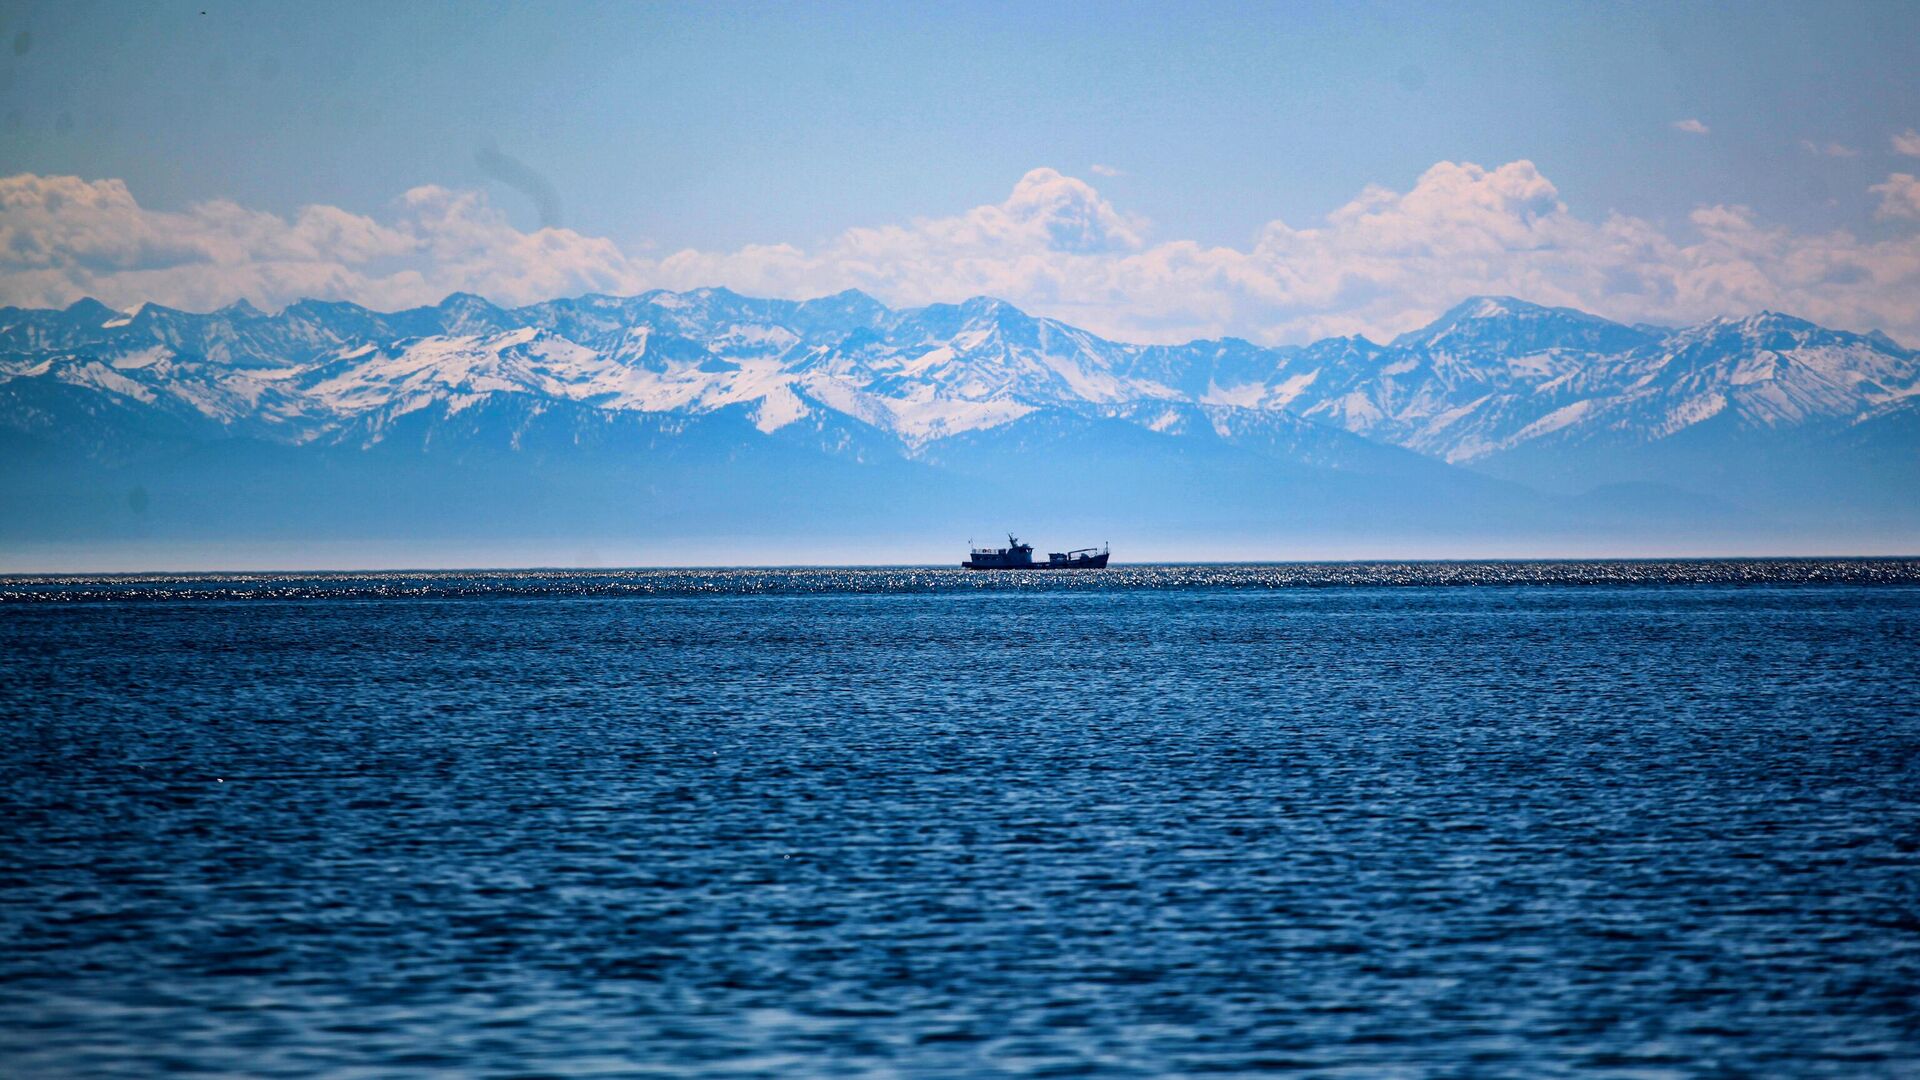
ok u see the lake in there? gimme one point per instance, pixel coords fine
(1450, 819)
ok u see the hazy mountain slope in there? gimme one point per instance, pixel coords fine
(708, 410)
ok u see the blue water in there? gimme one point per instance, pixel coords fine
(1512, 820)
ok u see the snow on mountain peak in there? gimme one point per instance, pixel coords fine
(1492, 374)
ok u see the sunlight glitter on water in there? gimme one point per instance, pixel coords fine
(921, 579)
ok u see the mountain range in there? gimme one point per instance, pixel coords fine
(705, 418)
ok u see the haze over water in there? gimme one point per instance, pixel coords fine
(1522, 819)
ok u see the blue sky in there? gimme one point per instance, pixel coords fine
(716, 129)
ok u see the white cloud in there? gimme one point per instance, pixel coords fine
(1829, 149)
(1899, 196)
(1691, 126)
(1104, 170)
(1907, 143)
(62, 237)
(1387, 261)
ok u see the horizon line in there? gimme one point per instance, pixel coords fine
(1454, 560)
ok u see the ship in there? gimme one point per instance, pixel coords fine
(1019, 556)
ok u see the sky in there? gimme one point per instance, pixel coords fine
(1153, 172)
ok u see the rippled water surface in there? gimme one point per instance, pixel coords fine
(1536, 819)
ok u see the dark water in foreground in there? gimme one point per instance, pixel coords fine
(1614, 822)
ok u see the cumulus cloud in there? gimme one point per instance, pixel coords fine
(1104, 170)
(1387, 261)
(62, 237)
(1691, 126)
(1829, 149)
(1907, 143)
(1899, 196)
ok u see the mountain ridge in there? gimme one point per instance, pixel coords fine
(1412, 392)
(1495, 391)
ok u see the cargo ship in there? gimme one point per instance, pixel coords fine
(1019, 556)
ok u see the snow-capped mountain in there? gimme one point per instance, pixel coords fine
(1492, 374)
(1552, 397)
(1476, 378)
